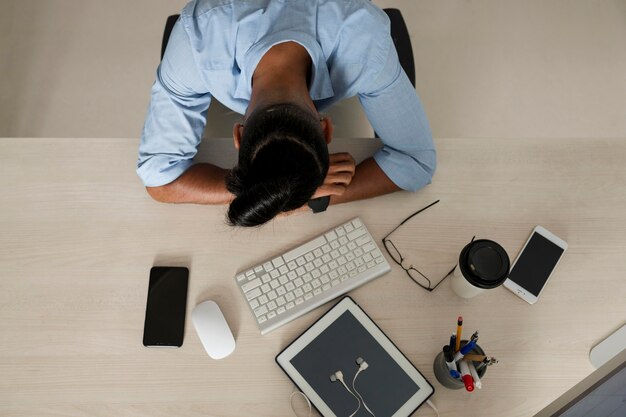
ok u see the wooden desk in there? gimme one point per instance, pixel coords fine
(79, 235)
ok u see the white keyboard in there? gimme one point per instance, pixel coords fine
(284, 288)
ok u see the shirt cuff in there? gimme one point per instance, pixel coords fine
(405, 171)
(161, 170)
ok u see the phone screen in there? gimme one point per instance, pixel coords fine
(535, 264)
(165, 310)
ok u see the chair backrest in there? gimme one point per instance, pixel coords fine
(169, 25)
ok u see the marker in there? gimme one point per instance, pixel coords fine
(459, 329)
(464, 350)
(453, 343)
(467, 377)
(447, 354)
(474, 374)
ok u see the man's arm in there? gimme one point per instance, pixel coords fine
(408, 157)
(200, 184)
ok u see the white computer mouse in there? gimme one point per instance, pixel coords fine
(214, 333)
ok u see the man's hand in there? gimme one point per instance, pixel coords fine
(340, 173)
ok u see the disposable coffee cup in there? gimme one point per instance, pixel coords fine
(483, 265)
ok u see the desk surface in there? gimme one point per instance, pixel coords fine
(79, 235)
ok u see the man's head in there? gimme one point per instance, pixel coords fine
(283, 159)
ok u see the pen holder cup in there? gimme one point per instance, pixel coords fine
(443, 374)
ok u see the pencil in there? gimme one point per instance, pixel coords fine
(459, 329)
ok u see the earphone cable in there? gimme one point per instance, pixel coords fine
(296, 391)
(359, 394)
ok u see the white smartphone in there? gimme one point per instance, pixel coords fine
(534, 264)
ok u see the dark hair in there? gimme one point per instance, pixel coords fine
(283, 158)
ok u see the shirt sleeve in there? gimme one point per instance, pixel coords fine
(176, 115)
(393, 108)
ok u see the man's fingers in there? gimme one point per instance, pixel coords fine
(339, 178)
(339, 157)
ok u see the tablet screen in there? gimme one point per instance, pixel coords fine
(384, 386)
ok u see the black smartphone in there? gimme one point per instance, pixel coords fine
(165, 310)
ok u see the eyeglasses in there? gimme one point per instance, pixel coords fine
(418, 277)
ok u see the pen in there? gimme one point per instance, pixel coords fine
(474, 374)
(464, 350)
(459, 329)
(467, 378)
(447, 354)
(474, 336)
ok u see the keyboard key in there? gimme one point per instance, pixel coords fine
(274, 273)
(251, 284)
(357, 223)
(308, 296)
(309, 257)
(258, 269)
(274, 284)
(268, 266)
(253, 294)
(281, 291)
(254, 303)
(363, 240)
(260, 311)
(266, 288)
(277, 262)
(368, 247)
(271, 315)
(307, 288)
(272, 295)
(348, 227)
(241, 277)
(266, 278)
(340, 231)
(263, 299)
(299, 300)
(318, 252)
(331, 235)
(289, 296)
(343, 240)
(292, 265)
(281, 310)
(290, 286)
(298, 292)
(289, 306)
(281, 301)
(326, 287)
(283, 269)
(316, 283)
(300, 261)
(262, 319)
(272, 305)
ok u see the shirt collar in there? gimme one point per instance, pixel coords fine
(321, 86)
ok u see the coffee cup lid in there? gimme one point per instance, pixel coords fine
(484, 263)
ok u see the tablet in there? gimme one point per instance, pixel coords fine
(390, 386)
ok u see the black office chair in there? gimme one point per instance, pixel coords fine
(399, 34)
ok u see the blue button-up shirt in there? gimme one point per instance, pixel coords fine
(216, 45)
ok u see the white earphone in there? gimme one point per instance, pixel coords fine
(338, 376)
(362, 366)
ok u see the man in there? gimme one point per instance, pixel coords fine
(279, 63)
